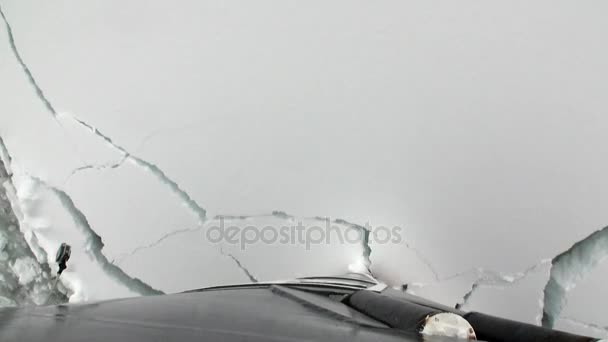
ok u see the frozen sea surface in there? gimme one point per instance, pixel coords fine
(456, 149)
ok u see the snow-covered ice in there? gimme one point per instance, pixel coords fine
(132, 129)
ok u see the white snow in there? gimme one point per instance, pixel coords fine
(27, 269)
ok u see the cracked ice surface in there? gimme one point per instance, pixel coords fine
(587, 301)
(483, 143)
(189, 256)
(50, 215)
(569, 268)
(26, 277)
(510, 296)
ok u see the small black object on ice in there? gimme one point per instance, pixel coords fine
(63, 255)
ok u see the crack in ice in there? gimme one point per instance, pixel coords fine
(567, 269)
(95, 243)
(365, 261)
(138, 249)
(570, 267)
(97, 167)
(278, 214)
(238, 263)
(160, 175)
(491, 279)
(367, 250)
(25, 272)
(26, 69)
(424, 260)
